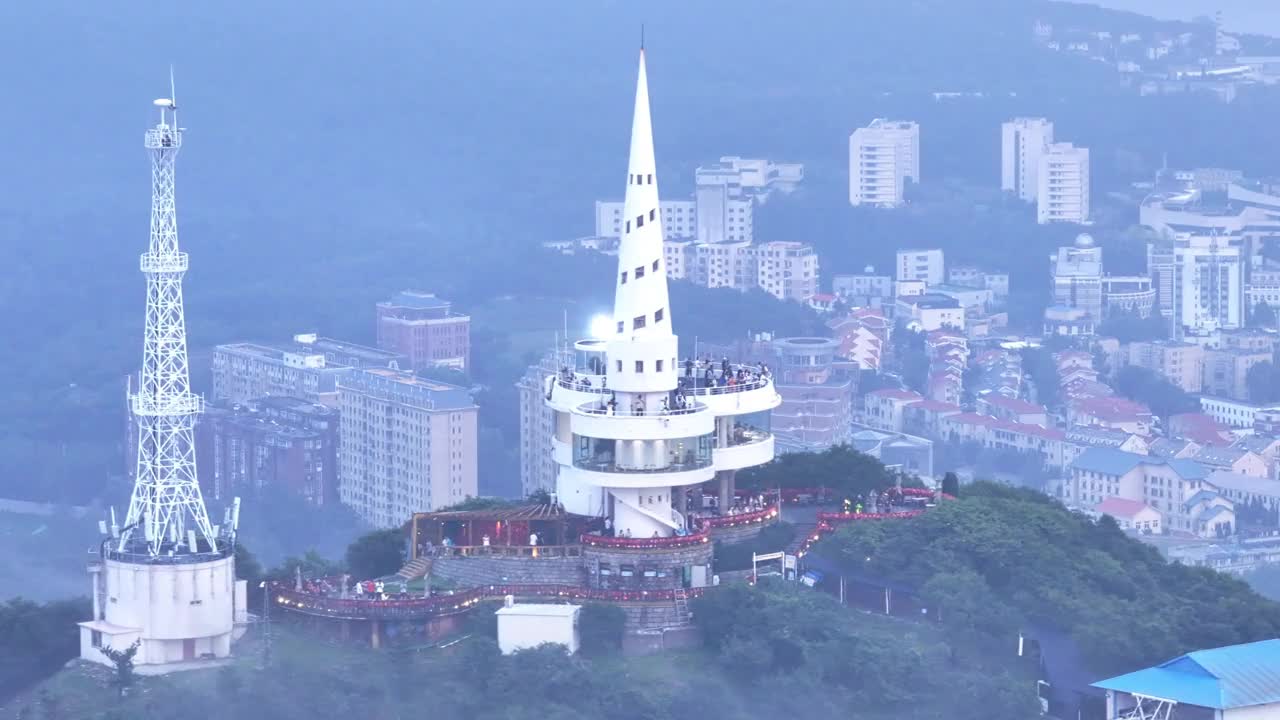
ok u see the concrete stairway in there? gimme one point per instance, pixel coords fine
(415, 569)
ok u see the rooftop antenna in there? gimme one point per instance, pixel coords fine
(642, 36)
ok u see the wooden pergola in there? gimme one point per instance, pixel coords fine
(504, 526)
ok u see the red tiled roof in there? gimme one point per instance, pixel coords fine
(1112, 408)
(934, 406)
(1016, 405)
(896, 394)
(1120, 507)
(973, 419)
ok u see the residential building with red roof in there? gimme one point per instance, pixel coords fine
(1014, 409)
(883, 409)
(1132, 515)
(1111, 412)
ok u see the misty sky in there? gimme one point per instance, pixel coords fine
(1257, 16)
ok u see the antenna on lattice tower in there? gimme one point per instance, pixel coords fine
(166, 498)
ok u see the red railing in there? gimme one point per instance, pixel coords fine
(844, 517)
(421, 607)
(659, 543)
(728, 521)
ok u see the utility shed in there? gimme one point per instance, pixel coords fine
(526, 626)
(1238, 682)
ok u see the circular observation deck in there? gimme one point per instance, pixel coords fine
(594, 419)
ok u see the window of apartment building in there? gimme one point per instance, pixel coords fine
(637, 323)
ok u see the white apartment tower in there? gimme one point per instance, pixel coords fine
(1023, 142)
(1063, 185)
(630, 442)
(882, 157)
(1208, 284)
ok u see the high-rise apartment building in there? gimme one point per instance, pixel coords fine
(538, 423)
(308, 368)
(425, 329)
(1077, 277)
(924, 265)
(1063, 184)
(275, 442)
(1208, 284)
(787, 270)
(408, 445)
(882, 157)
(725, 265)
(1182, 364)
(730, 220)
(1023, 142)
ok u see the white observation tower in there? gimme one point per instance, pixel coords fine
(635, 426)
(166, 578)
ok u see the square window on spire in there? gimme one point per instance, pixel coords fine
(639, 272)
(653, 214)
(637, 322)
(628, 226)
(624, 277)
(639, 221)
(651, 179)
(620, 326)
(659, 315)
(655, 266)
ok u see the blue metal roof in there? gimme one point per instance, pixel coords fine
(1108, 461)
(1188, 469)
(1214, 513)
(1112, 461)
(1204, 495)
(1228, 677)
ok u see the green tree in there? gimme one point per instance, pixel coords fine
(1147, 387)
(600, 627)
(1128, 326)
(123, 662)
(377, 554)
(951, 484)
(38, 640)
(1263, 383)
(1262, 315)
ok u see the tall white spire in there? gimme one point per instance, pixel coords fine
(643, 347)
(640, 302)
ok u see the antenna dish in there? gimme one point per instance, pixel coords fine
(162, 102)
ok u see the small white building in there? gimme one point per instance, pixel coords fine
(521, 627)
(924, 265)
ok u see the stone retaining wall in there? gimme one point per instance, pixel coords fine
(473, 571)
(668, 560)
(739, 534)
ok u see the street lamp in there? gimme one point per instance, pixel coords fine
(266, 623)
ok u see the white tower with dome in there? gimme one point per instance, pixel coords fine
(636, 426)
